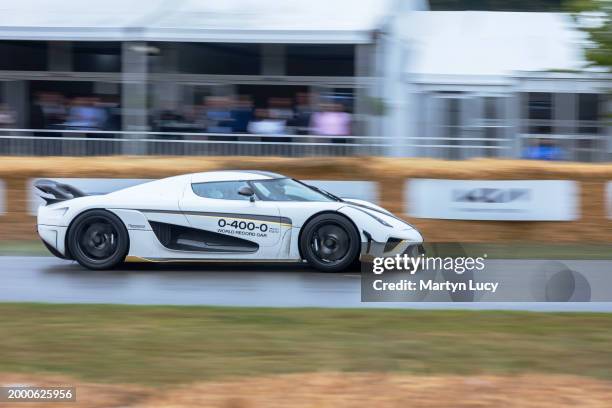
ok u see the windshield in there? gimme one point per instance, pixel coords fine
(287, 189)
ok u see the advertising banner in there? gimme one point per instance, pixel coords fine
(2, 198)
(494, 200)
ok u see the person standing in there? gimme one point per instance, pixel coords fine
(331, 121)
(242, 114)
(7, 117)
(303, 113)
(265, 124)
(7, 121)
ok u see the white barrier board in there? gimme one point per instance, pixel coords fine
(609, 199)
(2, 198)
(495, 200)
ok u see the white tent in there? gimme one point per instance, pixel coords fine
(298, 21)
(490, 43)
(474, 52)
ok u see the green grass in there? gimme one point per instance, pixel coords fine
(161, 345)
(23, 248)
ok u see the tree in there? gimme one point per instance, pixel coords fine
(600, 32)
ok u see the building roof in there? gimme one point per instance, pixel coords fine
(292, 21)
(490, 43)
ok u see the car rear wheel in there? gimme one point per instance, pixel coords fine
(330, 243)
(98, 239)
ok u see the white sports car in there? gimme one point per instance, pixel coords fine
(241, 216)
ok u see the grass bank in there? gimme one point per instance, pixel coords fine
(23, 248)
(170, 345)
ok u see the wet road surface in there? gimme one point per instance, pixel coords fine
(47, 279)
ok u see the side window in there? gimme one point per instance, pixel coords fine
(223, 190)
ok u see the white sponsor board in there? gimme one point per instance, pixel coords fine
(363, 190)
(495, 200)
(2, 198)
(609, 199)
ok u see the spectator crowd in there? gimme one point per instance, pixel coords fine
(52, 110)
(237, 114)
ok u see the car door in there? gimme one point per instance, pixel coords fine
(234, 222)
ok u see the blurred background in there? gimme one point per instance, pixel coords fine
(441, 79)
(446, 79)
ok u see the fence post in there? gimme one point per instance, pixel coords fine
(17, 210)
(134, 95)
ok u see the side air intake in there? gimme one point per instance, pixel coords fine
(181, 238)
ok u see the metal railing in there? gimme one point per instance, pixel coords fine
(574, 147)
(36, 142)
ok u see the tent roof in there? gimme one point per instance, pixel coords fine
(490, 43)
(299, 21)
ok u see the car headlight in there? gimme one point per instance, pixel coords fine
(58, 213)
(380, 220)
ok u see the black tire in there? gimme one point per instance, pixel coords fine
(97, 239)
(330, 243)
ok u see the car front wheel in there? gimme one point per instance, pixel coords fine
(330, 243)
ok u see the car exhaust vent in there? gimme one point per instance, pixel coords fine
(391, 244)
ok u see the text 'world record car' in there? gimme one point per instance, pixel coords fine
(241, 216)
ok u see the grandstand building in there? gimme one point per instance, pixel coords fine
(445, 84)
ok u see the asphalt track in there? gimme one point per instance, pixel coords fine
(47, 279)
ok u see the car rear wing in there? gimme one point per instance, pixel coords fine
(53, 192)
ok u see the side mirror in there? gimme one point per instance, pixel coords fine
(247, 192)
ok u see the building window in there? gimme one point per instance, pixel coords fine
(451, 126)
(540, 112)
(491, 107)
(493, 124)
(320, 59)
(206, 58)
(588, 113)
(496, 5)
(23, 55)
(96, 56)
